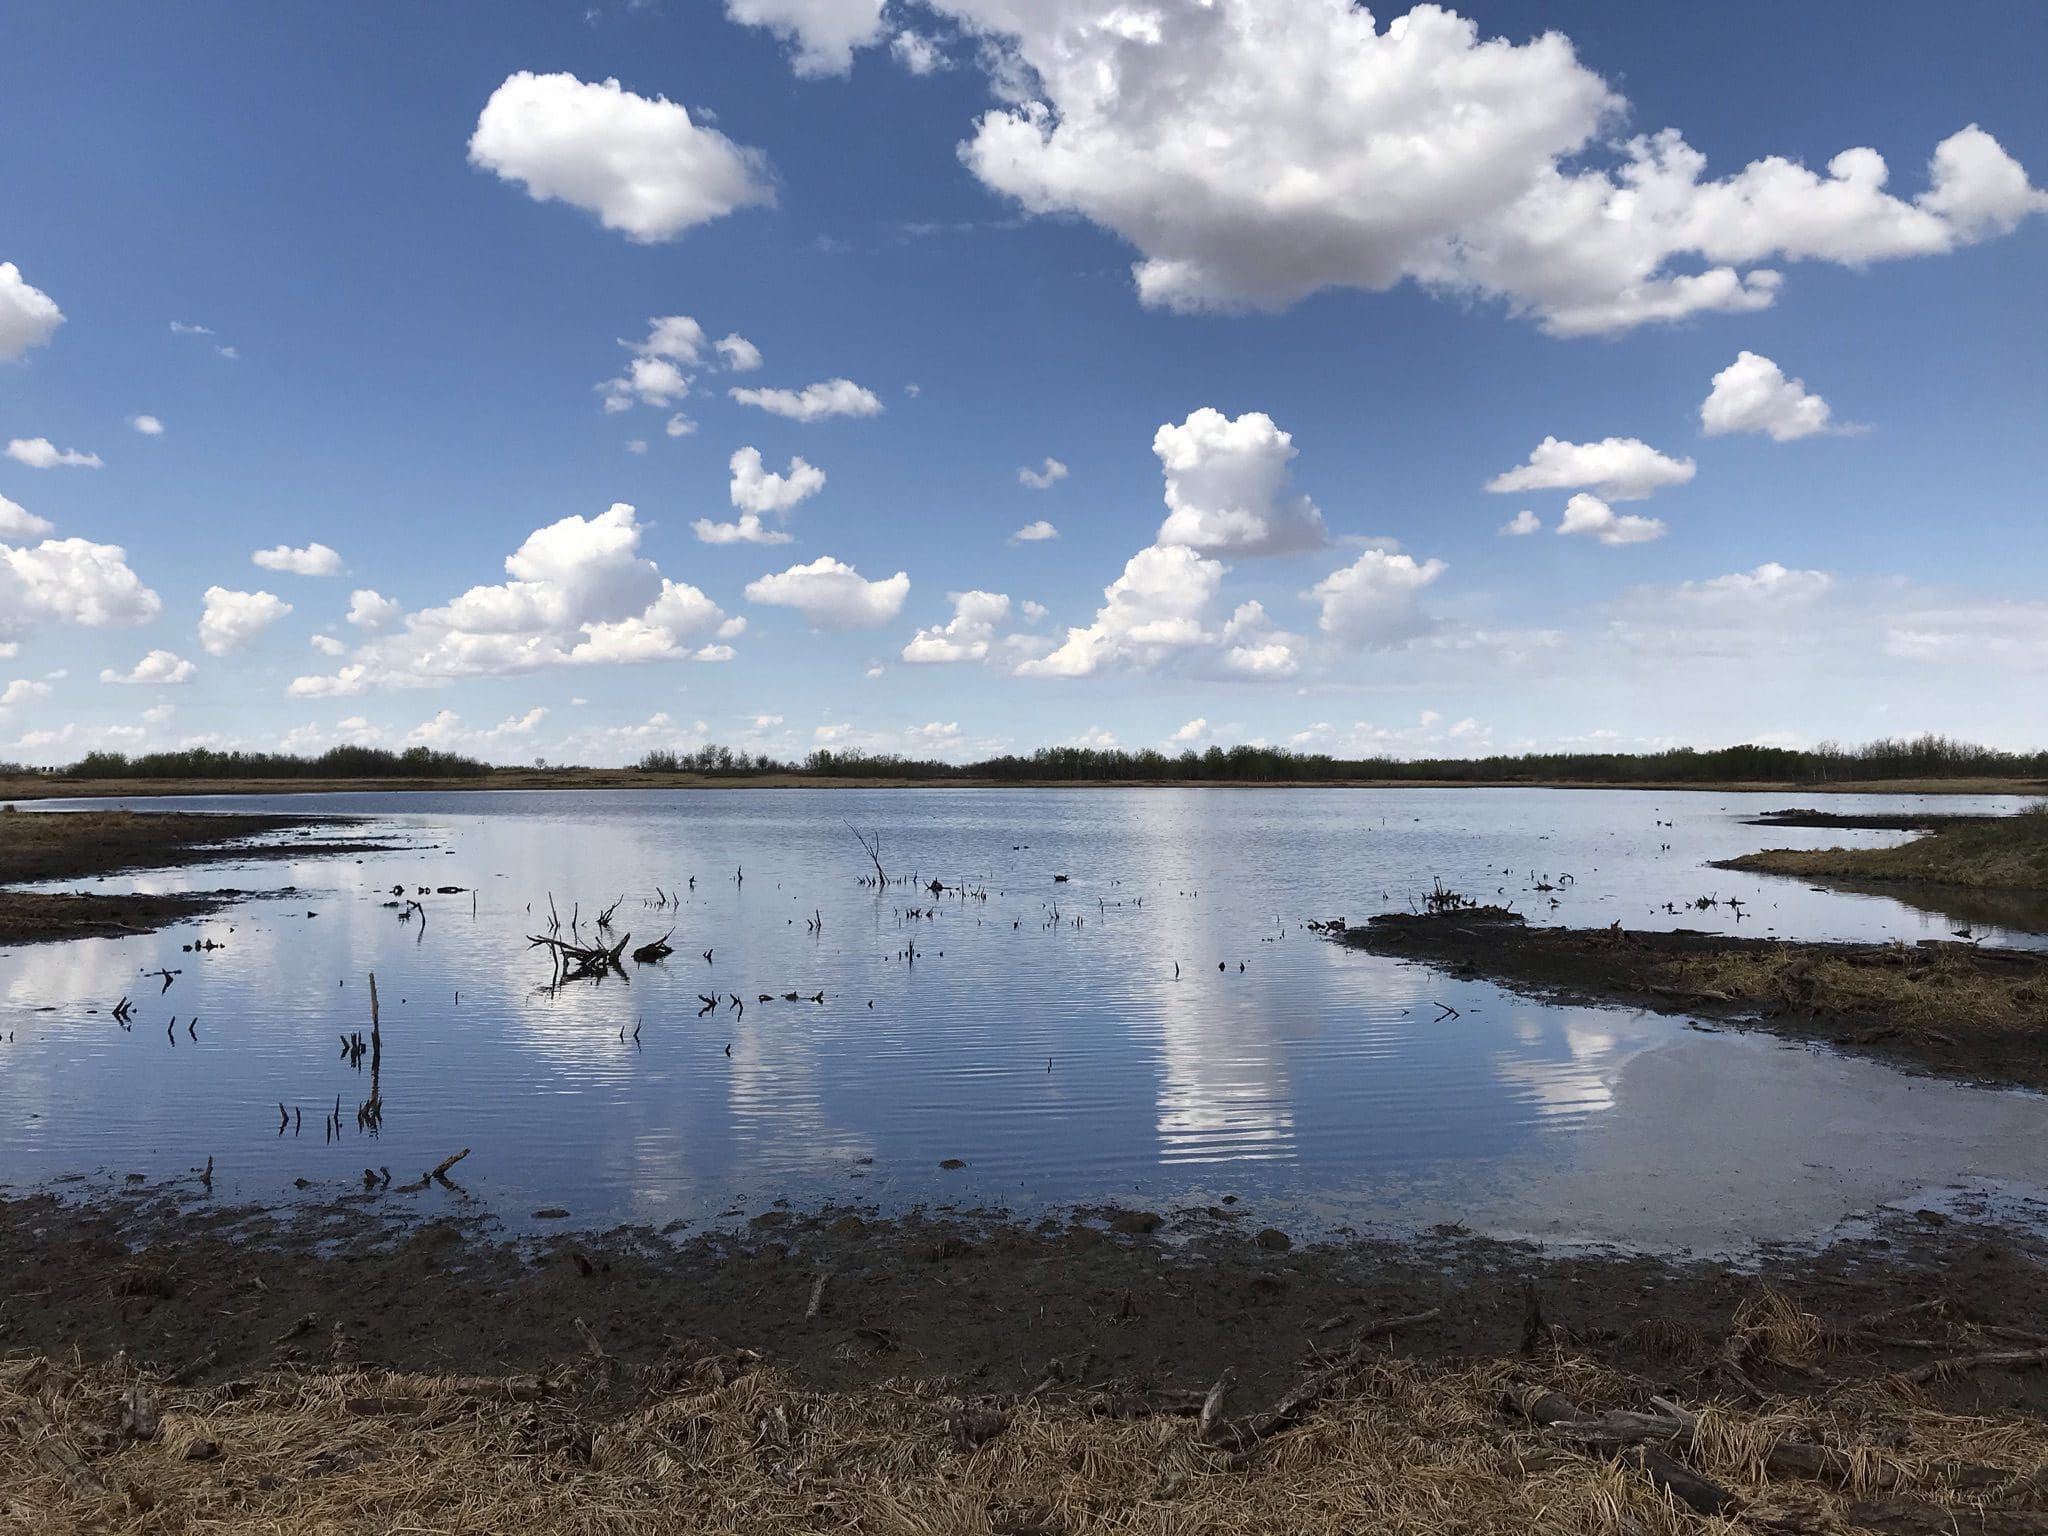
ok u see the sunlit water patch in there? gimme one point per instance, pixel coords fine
(1157, 1028)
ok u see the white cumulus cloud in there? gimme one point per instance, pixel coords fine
(1045, 478)
(1589, 514)
(23, 690)
(640, 164)
(832, 594)
(1033, 533)
(41, 453)
(814, 402)
(72, 581)
(368, 609)
(1226, 487)
(28, 316)
(1152, 610)
(1752, 394)
(740, 354)
(1618, 468)
(967, 635)
(230, 621)
(148, 426)
(159, 667)
(1372, 602)
(1254, 153)
(755, 489)
(16, 521)
(821, 34)
(1522, 524)
(313, 560)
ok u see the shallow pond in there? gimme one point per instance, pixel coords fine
(1040, 1035)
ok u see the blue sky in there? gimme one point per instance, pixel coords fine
(1370, 262)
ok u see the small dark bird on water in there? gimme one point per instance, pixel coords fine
(728, 1050)
(1176, 970)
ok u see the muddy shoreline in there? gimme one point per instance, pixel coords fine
(81, 845)
(205, 1291)
(1896, 1012)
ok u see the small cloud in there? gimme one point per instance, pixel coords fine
(329, 645)
(916, 52)
(23, 691)
(148, 426)
(680, 425)
(1043, 479)
(158, 667)
(1752, 394)
(232, 354)
(636, 445)
(1523, 522)
(814, 402)
(1618, 468)
(1190, 733)
(41, 453)
(313, 560)
(1032, 533)
(740, 354)
(1589, 514)
(181, 328)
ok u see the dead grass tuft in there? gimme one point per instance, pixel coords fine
(1928, 989)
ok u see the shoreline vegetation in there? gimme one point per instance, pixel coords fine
(368, 1363)
(1925, 765)
(2003, 853)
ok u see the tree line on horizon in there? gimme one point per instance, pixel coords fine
(1921, 757)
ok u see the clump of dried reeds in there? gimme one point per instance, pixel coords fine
(1917, 988)
(722, 1442)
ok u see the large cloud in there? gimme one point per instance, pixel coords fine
(642, 166)
(28, 316)
(1255, 151)
(1619, 468)
(1226, 487)
(231, 621)
(1752, 394)
(832, 594)
(73, 581)
(581, 594)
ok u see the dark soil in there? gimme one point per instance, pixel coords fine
(73, 845)
(210, 1293)
(34, 918)
(1636, 968)
(1897, 821)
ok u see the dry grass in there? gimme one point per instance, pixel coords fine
(1934, 989)
(719, 1442)
(2009, 854)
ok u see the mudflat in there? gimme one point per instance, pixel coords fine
(76, 845)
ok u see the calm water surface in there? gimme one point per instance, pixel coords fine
(1062, 1061)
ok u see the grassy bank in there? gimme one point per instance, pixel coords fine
(1949, 1008)
(2006, 854)
(717, 1440)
